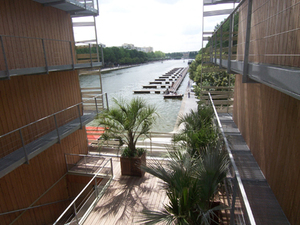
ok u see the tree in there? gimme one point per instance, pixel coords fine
(128, 121)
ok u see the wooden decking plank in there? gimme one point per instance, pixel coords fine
(264, 205)
(126, 198)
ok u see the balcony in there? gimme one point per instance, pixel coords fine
(250, 197)
(19, 146)
(26, 55)
(74, 7)
(249, 43)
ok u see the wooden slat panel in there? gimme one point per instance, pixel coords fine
(31, 19)
(269, 121)
(24, 99)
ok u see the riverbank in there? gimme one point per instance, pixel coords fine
(107, 70)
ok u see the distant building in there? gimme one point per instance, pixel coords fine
(147, 49)
(132, 47)
(128, 46)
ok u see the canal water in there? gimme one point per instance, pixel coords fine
(122, 83)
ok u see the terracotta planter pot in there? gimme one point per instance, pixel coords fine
(130, 166)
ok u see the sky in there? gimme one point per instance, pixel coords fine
(165, 25)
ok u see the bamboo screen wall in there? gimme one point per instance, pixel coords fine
(268, 119)
(23, 26)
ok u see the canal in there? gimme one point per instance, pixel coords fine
(122, 83)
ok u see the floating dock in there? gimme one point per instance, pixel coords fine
(172, 92)
(166, 84)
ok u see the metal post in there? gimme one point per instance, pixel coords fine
(24, 148)
(85, 164)
(233, 201)
(96, 189)
(102, 56)
(4, 56)
(97, 46)
(91, 55)
(100, 79)
(96, 105)
(231, 20)
(216, 48)
(245, 78)
(111, 166)
(75, 211)
(150, 143)
(58, 137)
(106, 101)
(66, 163)
(221, 40)
(79, 114)
(45, 56)
(211, 50)
(72, 59)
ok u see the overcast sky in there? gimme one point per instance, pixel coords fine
(165, 25)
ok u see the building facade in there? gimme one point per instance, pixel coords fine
(39, 94)
(258, 42)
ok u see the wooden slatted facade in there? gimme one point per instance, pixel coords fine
(34, 21)
(269, 120)
(25, 99)
(21, 187)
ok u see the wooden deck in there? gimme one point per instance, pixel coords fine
(126, 197)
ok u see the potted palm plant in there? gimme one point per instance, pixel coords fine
(128, 121)
(191, 184)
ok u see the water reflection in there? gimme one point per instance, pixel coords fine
(123, 82)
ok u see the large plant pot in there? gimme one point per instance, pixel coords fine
(130, 166)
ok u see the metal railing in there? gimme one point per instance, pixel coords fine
(256, 32)
(235, 189)
(22, 136)
(157, 144)
(80, 207)
(89, 3)
(20, 53)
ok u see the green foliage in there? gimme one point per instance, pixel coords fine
(121, 56)
(192, 55)
(198, 132)
(175, 55)
(191, 185)
(208, 74)
(128, 153)
(128, 121)
(193, 174)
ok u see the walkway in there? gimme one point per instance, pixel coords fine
(264, 205)
(188, 104)
(126, 198)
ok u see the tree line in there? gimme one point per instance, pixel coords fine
(114, 56)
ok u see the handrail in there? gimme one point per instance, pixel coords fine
(73, 202)
(48, 39)
(236, 172)
(232, 13)
(47, 48)
(46, 117)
